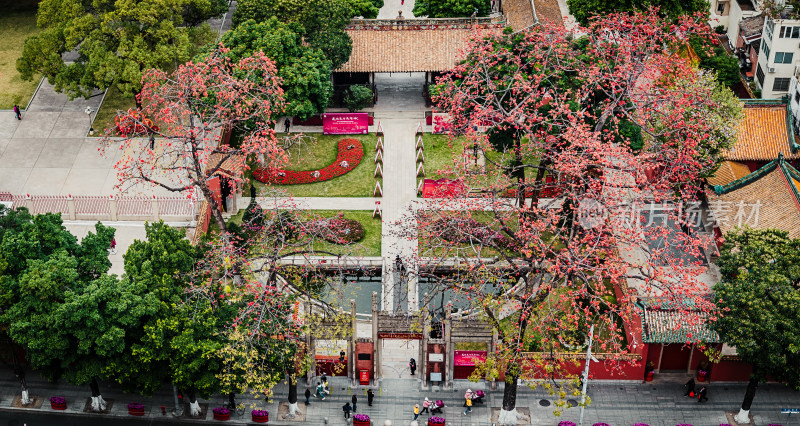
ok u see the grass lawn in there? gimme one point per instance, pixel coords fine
(369, 246)
(359, 182)
(17, 22)
(113, 102)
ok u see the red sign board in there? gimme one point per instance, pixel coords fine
(407, 336)
(468, 358)
(354, 123)
(363, 377)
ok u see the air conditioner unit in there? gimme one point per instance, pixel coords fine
(770, 69)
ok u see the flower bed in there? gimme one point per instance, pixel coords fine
(259, 416)
(136, 409)
(436, 421)
(338, 230)
(361, 420)
(349, 156)
(58, 403)
(221, 413)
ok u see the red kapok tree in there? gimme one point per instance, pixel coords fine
(193, 107)
(614, 121)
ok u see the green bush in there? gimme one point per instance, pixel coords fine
(358, 97)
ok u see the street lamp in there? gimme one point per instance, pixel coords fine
(89, 110)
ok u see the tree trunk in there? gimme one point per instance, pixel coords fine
(744, 413)
(521, 175)
(98, 403)
(19, 372)
(293, 408)
(508, 412)
(194, 406)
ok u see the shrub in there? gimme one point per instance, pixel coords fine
(361, 417)
(358, 97)
(57, 400)
(469, 231)
(436, 420)
(566, 423)
(338, 230)
(350, 151)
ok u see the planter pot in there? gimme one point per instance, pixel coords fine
(62, 406)
(222, 417)
(360, 423)
(649, 376)
(136, 412)
(701, 378)
(260, 419)
(435, 424)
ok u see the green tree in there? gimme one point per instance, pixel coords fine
(584, 10)
(715, 58)
(115, 41)
(451, 8)
(358, 97)
(760, 296)
(304, 71)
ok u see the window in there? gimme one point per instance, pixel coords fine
(770, 27)
(760, 75)
(781, 84)
(765, 48)
(720, 8)
(790, 32)
(783, 57)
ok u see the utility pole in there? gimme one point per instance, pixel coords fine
(585, 380)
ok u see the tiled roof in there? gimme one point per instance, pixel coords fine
(668, 326)
(409, 48)
(765, 132)
(772, 188)
(548, 10)
(519, 13)
(728, 172)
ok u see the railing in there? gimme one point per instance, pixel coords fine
(90, 207)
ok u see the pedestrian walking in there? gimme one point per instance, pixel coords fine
(468, 397)
(17, 113)
(412, 364)
(426, 404)
(416, 411)
(113, 246)
(320, 392)
(354, 400)
(286, 124)
(347, 409)
(690, 388)
(469, 407)
(702, 395)
(370, 397)
(308, 396)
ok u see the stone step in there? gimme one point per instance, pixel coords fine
(415, 115)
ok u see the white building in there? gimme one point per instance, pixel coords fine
(729, 13)
(778, 56)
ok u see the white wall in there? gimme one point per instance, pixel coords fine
(777, 44)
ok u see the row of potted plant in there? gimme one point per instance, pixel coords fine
(363, 420)
(349, 156)
(569, 423)
(220, 413)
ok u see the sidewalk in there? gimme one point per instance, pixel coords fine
(615, 404)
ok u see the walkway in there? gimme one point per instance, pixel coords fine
(615, 404)
(391, 7)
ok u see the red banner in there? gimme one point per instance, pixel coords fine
(354, 123)
(468, 358)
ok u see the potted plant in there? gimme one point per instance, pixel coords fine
(702, 371)
(566, 423)
(58, 403)
(361, 420)
(648, 371)
(136, 409)
(221, 413)
(436, 421)
(600, 424)
(260, 416)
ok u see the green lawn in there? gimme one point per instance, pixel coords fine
(369, 246)
(17, 22)
(113, 102)
(359, 182)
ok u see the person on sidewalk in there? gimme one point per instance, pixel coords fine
(412, 364)
(354, 400)
(426, 404)
(308, 396)
(690, 388)
(370, 397)
(702, 395)
(416, 411)
(286, 124)
(469, 407)
(347, 409)
(320, 392)
(17, 113)
(113, 248)
(468, 397)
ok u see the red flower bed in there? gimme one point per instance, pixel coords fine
(350, 154)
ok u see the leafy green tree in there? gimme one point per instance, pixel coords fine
(115, 41)
(715, 58)
(304, 70)
(760, 296)
(335, 43)
(451, 8)
(584, 10)
(358, 97)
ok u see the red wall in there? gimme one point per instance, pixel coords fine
(364, 348)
